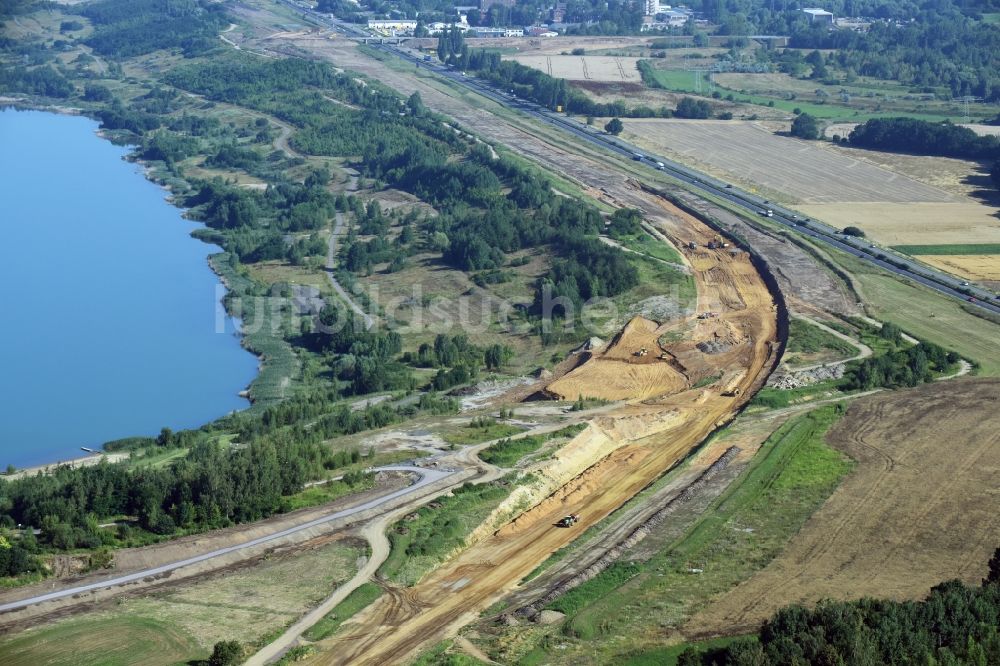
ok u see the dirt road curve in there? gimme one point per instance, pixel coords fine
(425, 477)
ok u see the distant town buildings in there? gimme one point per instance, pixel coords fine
(817, 15)
(392, 27)
(539, 31)
(559, 13)
(495, 32)
(662, 17)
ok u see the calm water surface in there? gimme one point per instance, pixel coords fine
(108, 324)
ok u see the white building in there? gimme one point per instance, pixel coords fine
(392, 28)
(817, 15)
(496, 32)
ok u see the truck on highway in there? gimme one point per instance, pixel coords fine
(661, 166)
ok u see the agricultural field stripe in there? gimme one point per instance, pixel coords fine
(964, 248)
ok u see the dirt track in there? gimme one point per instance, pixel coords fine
(919, 509)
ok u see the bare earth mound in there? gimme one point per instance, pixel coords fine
(631, 367)
(919, 509)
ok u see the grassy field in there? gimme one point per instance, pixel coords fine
(509, 451)
(807, 338)
(667, 656)
(181, 624)
(635, 605)
(345, 610)
(958, 248)
(474, 434)
(427, 536)
(652, 247)
(926, 314)
(118, 641)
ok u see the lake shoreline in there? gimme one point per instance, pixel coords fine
(172, 199)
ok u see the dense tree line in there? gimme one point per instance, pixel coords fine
(214, 485)
(956, 624)
(902, 368)
(941, 48)
(35, 81)
(126, 28)
(584, 269)
(908, 135)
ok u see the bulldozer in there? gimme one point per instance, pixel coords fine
(568, 521)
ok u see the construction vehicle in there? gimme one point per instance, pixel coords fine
(642, 352)
(568, 521)
(708, 315)
(692, 245)
(733, 393)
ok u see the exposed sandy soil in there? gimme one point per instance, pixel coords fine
(620, 373)
(972, 266)
(920, 507)
(915, 223)
(643, 439)
(807, 286)
(584, 68)
(803, 170)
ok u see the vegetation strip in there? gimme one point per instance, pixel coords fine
(637, 535)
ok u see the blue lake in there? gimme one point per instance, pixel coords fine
(109, 325)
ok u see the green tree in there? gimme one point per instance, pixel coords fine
(854, 231)
(496, 356)
(993, 576)
(614, 126)
(995, 174)
(416, 105)
(226, 653)
(805, 126)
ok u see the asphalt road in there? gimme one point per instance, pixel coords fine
(863, 249)
(425, 477)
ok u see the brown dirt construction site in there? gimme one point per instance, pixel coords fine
(595, 473)
(927, 474)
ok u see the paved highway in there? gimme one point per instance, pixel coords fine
(425, 477)
(865, 250)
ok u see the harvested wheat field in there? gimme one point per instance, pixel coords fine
(601, 69)
(915, 224)
(751, 153)
(919, 508)
(595, 473)
(971, 266)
